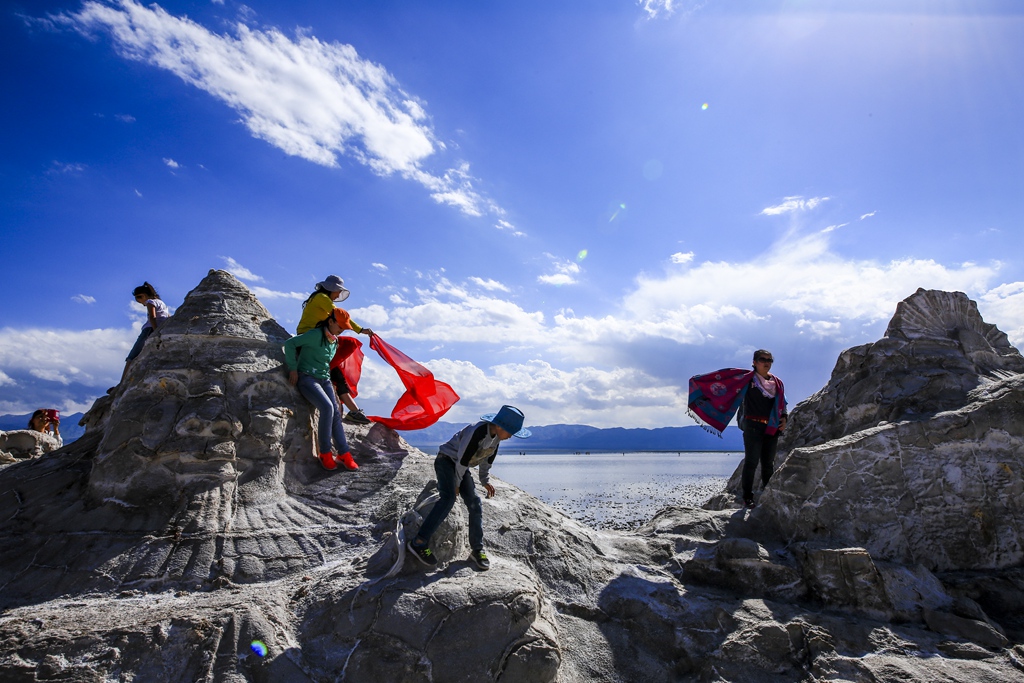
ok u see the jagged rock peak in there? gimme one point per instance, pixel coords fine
(931, 313)
(221, 305)
(935, 352)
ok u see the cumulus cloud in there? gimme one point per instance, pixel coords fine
(171, 163)
(793, 205)
(63, 368)
(240, 271)
(680, 257)
(312, 99)
(565, 272)
(83, 299)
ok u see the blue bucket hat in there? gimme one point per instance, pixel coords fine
(510, 419)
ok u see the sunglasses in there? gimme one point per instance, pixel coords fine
(764, 360)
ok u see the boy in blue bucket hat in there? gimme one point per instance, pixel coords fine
(474, 445)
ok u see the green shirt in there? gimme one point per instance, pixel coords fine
(316, 355)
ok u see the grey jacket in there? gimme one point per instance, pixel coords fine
(469, 447)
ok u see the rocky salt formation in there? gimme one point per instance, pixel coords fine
(21, 444)
(236, 536)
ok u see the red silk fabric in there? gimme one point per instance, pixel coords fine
(349, 359)
(425, 399)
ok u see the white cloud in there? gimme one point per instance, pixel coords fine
(833, 228)
(680, 257)
(1005, 304)
(126, 118)
(83, 299)
(240, 271)
(565, 272)
(61, 167)
(492, 285)
(171, 163)
(312, 99)
(502, 224)
(264, 293)
(137, 193)
(379, 266)
(868, 215)
(89, 357)
(792, 205)
(5, 380)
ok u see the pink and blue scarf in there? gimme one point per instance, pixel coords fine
(715, 398)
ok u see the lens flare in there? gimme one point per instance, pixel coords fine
(582, 255)
(704, 106)
(259, 648)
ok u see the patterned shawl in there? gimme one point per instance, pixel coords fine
(716, 396)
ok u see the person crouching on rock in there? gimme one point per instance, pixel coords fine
(156, 313)
(317, 307)
(310, 372)
(474, 445)
(764, 400)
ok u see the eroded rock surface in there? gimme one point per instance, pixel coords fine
(22, 444)
(190, 536)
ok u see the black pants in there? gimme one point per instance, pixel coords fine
(758, 448)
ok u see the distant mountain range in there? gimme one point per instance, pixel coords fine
(561, 437)
(69, 429)
(586, 438)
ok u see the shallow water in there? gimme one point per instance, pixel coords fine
(616, 490)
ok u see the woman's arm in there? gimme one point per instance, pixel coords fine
(151, 314)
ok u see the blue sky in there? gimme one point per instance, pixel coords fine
(572, 207)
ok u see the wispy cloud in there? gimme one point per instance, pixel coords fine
(126, 118)
(503, 224)
(380, 266)
(171, 163)
(667, 8)
(313, 99)
(5, 380)
(264, 293)
(240, 271)
(868, 215)
(492, 285)
(83, 299)
(61, 167)
(792, 205)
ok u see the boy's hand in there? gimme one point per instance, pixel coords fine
(490, 490)
(293, 377)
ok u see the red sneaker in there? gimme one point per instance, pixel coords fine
(327, 461)
(347, 461)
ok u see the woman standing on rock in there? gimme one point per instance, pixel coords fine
(760, 398)
(762, 418)
(316, 308)
(308, 357)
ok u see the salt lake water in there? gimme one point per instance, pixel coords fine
(617, 490)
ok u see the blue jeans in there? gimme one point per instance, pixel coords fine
(759, 448)
(444, 467)
(139, 343)
(320, 393)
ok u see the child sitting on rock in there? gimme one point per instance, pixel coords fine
(156, 313)
(474, 445)
(317, 307)
(310, 372)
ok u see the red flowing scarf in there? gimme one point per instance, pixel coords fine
(425, 399)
